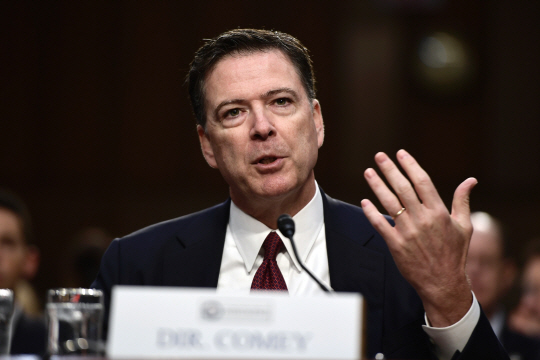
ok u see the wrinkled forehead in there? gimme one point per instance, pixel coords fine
(242, 54)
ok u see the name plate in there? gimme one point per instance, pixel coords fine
(162, 322)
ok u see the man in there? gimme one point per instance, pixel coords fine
(526, 318)
(19, 260)
(260, 125)
(492, 273)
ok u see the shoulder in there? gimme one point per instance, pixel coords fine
(350, 221)
(180, 228)
(142, 257)
(347, 212)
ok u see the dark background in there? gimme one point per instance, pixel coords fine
(96, 127)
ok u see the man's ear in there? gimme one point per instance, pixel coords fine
(319, 123)
(31, 263)
(206, 147)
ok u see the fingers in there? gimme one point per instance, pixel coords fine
(399, 183)
(461, 210)
(420, 194)
(387, 198)
(378, 221)
(422, 182)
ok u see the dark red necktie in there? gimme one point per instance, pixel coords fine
(268, 275)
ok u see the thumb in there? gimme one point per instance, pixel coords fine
(461, 210)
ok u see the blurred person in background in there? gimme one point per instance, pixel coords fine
(526, 318)
(19, 261)
(492, 272)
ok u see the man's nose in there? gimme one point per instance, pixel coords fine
(262, 126)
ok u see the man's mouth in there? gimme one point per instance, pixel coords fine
(267, 160)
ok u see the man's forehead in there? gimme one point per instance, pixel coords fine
(236, 67)
(246, 54)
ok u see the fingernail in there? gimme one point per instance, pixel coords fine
(369, 173)
(380, 157)
(402, 154)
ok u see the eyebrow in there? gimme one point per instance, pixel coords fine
(280, 90)
(266, 95)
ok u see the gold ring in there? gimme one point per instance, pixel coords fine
(399, 213)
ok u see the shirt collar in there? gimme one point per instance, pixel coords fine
(249, 233)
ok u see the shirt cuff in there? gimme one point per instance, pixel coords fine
(454, 337)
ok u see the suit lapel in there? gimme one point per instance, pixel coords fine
(355, 261)
(355, 264)
(193, 257)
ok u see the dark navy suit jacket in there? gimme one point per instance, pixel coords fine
(187, 252)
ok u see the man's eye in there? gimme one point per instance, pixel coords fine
(282, 101)
(233, 112)
(8, 243)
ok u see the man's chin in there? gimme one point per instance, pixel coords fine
(275, 188)
(266, 192)
(273, 194)
(282, 192)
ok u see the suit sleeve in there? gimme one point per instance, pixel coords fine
(483, 344)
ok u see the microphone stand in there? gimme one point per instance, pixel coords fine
(287, 228)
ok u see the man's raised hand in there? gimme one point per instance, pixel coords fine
(428, 244)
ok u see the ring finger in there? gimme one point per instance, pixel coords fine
(387, 198)
(401, 185)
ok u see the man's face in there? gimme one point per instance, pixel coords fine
(262, 132)
(489, 272)
(12, 249)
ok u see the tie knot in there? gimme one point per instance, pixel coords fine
(272, 245)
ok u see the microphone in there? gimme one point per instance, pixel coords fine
(285, 224)
(287, 228)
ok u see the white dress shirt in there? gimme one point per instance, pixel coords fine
(243, 254)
